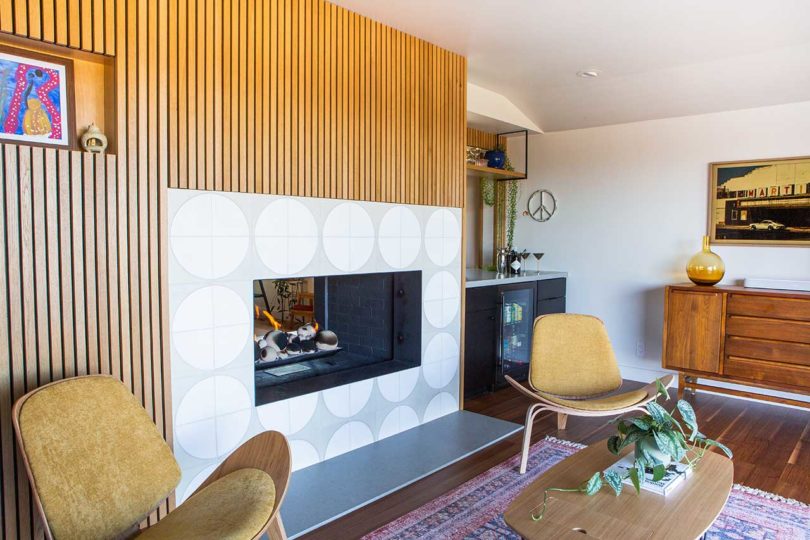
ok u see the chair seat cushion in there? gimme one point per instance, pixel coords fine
(234, 507)
(607, 403)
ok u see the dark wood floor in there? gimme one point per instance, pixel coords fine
(771, 447)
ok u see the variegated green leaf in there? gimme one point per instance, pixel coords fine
(641, 424)
(640, 472)
(614, 480)
(634, 477)
(614, 444)
(689, 417)
(726, 450)
(667, 444)
(659, 415)
(594, 484)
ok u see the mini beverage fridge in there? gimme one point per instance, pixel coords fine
(517, 303)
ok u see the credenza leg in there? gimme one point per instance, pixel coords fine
(681, 385)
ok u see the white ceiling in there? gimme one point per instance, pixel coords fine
(658, 58)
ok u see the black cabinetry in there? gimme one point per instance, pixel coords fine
(498, 330)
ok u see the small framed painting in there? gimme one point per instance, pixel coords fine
(761, 202)
(36, 98)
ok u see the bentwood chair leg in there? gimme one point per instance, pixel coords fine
(562, 420)
(527, 436)
(276, 530)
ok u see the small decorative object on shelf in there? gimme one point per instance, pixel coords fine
(662, 452)
(496, 158)
(705, 267)
(93, 140)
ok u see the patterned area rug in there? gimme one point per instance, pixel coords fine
(474, 510)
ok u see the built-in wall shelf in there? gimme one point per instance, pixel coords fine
(497, 174)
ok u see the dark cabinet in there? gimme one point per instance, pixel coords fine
(480, 347)
(498, 330)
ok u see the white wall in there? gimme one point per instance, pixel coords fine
(632, 210)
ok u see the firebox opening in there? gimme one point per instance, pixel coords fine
(315, 333)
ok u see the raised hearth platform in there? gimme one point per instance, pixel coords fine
(333, 488)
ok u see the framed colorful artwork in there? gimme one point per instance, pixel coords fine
(36, 98)
(760, 202)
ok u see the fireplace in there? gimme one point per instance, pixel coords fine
(315, 333)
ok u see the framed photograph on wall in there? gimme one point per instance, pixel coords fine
(760, 202)
(36, 98)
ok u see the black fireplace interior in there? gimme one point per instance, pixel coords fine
(317, 333)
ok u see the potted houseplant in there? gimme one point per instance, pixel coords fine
(658, 438)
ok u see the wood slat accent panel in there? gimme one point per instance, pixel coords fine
(304, 98)
(62, 216)
(79, 24)
(481, 139)
(294, 97)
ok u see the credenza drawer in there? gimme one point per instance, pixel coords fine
(775, 351)
(767, 372)
(768, 306)
(773, 329)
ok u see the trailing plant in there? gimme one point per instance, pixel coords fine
(658, 438)
(512, 192)
(488, 191)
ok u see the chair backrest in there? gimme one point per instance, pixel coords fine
(96, 462)
(572, 357)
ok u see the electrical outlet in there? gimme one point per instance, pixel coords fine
(641, 349)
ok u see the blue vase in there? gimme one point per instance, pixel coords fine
(495, 159)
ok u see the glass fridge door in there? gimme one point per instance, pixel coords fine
(517, 317)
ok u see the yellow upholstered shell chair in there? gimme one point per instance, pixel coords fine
(571, 371)
(98, 466)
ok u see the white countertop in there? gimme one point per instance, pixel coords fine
(483, 278)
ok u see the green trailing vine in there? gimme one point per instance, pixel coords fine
(512, 192)
(654, 434)
(488, 191)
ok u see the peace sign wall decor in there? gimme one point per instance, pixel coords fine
(541, 206)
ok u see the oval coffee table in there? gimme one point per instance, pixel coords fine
(686, 513)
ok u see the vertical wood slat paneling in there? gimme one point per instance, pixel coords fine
(481, 139)
(330, 124)
(63, 216)
(303, 98)
(87, 25)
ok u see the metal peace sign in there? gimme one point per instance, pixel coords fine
(541, 205)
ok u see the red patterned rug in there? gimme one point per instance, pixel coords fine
(474, 510)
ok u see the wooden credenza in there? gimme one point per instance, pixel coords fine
(755, 337)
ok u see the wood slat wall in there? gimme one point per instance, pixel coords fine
(79, 24)
(481, 139)
(296, 97)
(305, 98)
(66, 218)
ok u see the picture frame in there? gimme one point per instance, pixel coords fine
(762, 202)
(37, 106)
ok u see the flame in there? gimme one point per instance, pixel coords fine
(316, 325)
(272, 320)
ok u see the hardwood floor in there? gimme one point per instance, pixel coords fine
(771, 447)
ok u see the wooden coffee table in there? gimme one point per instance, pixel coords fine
(686, 513)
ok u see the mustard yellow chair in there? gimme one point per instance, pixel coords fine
(571, 371)
(98, 467)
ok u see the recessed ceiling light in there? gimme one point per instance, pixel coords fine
(589, 73)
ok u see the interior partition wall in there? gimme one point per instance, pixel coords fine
(294, 97)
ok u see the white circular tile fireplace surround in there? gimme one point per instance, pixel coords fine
(220, 242)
